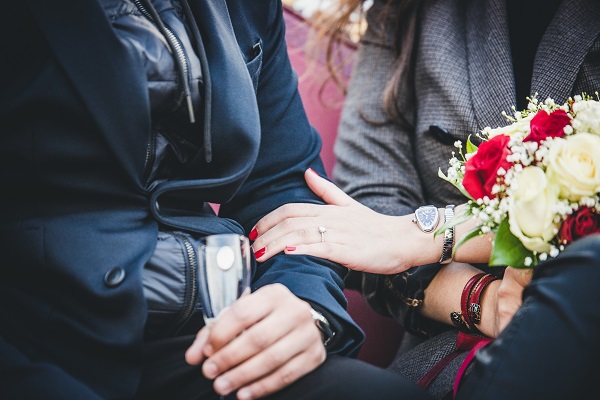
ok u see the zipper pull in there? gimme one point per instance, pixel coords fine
(190, 106)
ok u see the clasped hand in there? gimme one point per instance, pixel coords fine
(262, 343)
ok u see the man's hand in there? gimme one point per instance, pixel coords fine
(262, 343)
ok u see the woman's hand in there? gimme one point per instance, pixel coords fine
(262, 343)
(355, 236)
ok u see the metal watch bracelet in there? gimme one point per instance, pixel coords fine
(323, 325)
(448, 243)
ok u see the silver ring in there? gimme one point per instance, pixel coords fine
(322, 231)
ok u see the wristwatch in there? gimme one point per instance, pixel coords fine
(323, 326)
(427, 218)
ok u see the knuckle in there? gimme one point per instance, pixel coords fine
(287, 376)
(257, 339)
(302, 311)
(272, 359)
(279, 290)
(287, 210)
(327, 248)
(288, 224)
(224, 358)
(260, 243)
(302, 233)
(239, 313)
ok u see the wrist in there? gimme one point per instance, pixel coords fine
(327, 332)
(415, 246)
(475, 316)
(489, 301)
(448, 236)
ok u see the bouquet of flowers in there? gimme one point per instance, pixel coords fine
(535, 182)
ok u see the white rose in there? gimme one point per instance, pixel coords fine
(574, 163)
(531, 211)
(520, 127)
(587, 116)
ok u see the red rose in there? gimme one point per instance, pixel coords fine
(481, 170)
(581, 223)
(544, 125)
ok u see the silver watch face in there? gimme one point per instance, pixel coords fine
(427, 218)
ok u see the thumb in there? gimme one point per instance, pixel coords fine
(326, 190)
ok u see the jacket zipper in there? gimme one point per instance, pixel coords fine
(150, 157)
(191, 286)
(180, 56)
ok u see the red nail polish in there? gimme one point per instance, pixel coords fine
(253, 234)
(290, 248)
(260, 253)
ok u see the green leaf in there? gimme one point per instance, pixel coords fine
(508, 249)
(471, 148)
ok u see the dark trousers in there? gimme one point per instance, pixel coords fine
(167, 376)
(551, 348)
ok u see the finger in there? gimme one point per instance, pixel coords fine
(247, 311)
(251, 342)
(521, 276)
(326, 190)
(327, 250)
(304, 339)
(294, 231)
(285, 375)
(194, 354)
(285, 212)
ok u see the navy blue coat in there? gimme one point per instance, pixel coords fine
(74, 128)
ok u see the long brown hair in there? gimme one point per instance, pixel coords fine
(332, 26)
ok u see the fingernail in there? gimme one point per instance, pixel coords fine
(253, 234)
(209, 369)
(260, 253)
(313, 171)
(244, 394)
(223, 386)
(290, 248)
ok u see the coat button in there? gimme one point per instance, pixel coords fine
(114, 277)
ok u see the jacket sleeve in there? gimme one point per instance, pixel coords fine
(289, 145)
(375, 161)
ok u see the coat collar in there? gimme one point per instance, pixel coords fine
(558, 60)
